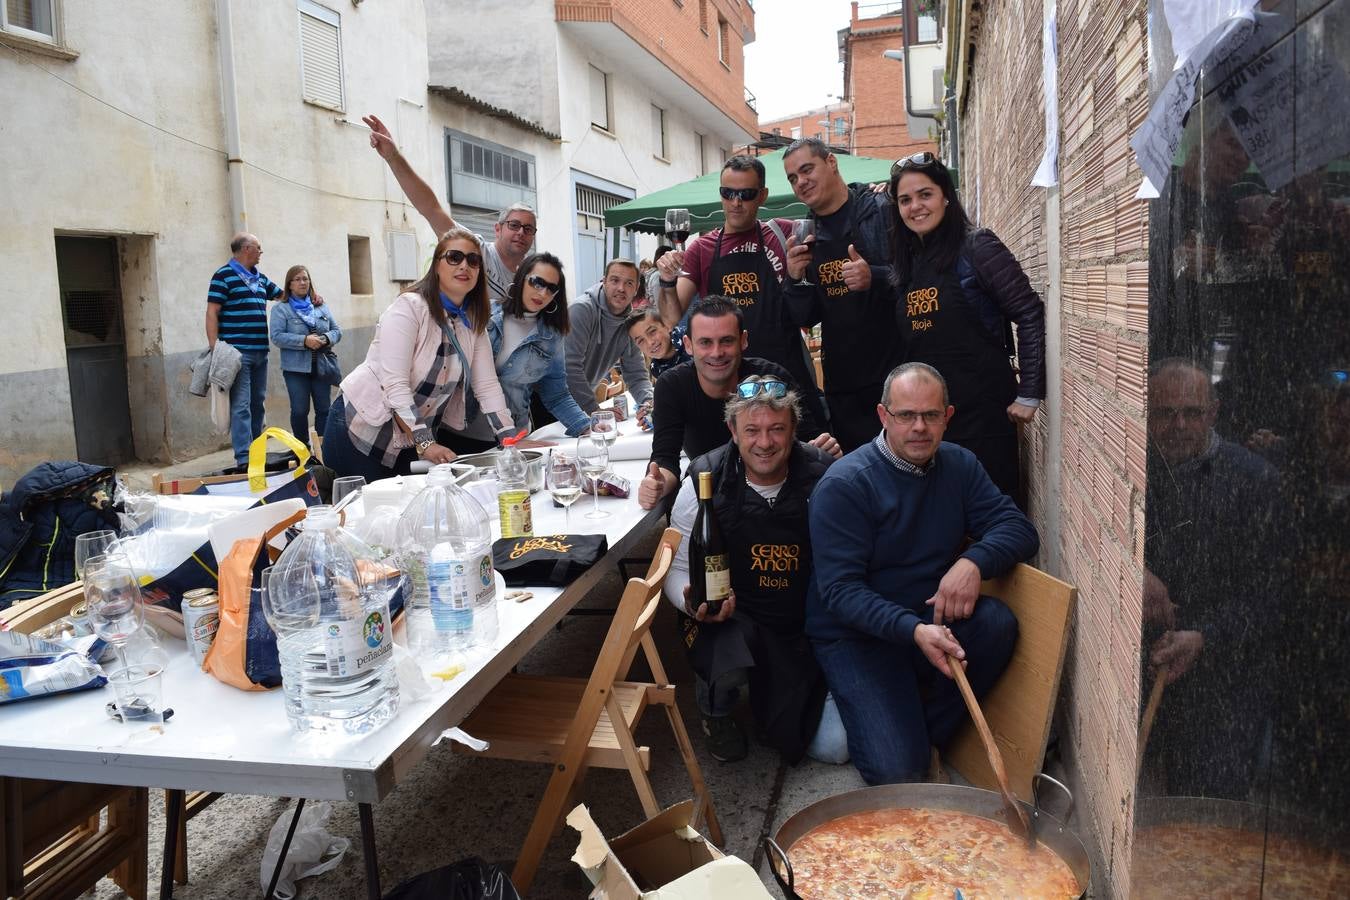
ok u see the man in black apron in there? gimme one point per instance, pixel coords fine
(846, 289)
(743, 260)
(762, 481)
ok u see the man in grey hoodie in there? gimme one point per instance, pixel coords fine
(598, 339)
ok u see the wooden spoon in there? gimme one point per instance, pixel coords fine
(1016, 817)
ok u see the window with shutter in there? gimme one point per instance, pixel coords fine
(320, 55)
(30, 18)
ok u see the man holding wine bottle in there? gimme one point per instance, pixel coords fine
(745, 260)
(741, 575)
(840, 278)
(689, 400)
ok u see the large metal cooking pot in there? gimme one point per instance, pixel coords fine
(485, 466)
(1050, 832)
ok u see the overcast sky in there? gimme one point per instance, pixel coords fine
(793, 64)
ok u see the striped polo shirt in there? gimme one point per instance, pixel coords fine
(243, 310)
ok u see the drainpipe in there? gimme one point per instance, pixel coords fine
(233, 156)
(902, 57)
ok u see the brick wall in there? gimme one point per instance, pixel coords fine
(1103, 331)
(876, 87)
(683, 35)
(809, 123)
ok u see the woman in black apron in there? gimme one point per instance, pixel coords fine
(960, 290)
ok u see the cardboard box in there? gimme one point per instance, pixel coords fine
(661, 859)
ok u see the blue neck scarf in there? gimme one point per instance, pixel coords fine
(458, 311)
(304, 308)
(250, 279)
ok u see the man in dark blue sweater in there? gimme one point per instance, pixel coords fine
(894, 591)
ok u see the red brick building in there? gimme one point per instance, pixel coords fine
(833, 124)
(875, 85)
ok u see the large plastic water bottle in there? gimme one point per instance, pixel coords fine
(328, 601)
(446, 542)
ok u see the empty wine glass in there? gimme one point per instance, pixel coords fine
(677, 227)
(564, 483)
(593, 457)
(804, 230)
(604, 426)
(91, 544)
(112, 593)
(345, 486)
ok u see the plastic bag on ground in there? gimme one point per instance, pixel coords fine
(468, 879)
(313, 849)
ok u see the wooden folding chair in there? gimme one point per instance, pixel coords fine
(576, 723)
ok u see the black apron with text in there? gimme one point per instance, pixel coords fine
(942, 330)
(770, 572)
(749, 280)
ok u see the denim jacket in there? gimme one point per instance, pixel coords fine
(539, 362)
(289, 332)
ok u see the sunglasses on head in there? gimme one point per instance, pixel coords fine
(540, 284)
(455, 257)
(923, 160)
(755, 385)
(745, 195)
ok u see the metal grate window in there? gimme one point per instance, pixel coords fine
(320, 55)
(488, 163)
(592, 202)
(96, 314)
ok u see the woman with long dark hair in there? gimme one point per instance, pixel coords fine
(527, 330)
(302, 325)
(429, 359)
(959, 292)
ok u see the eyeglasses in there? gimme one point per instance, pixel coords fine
(540, 284)
(745, 195)
(757, 384)
(1189, 414)
(455, 257)
(909, 416)
(515, 225)
(921, 160)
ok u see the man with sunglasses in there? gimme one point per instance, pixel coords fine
(745, 260)
(762, 480)
(847, 287)
(514, 232)
(903, 530)
(689, 398)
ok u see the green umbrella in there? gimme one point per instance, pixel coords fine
(705, 207)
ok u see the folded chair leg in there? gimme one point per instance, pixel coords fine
(573, 798)
(691, 765)
(550, 810)
(630, 756)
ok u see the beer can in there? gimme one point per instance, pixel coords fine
(621, 406)
(201, 618)
(79, 620)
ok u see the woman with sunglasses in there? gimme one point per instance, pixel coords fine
(526, 330)
(429, 359)
(960, 290)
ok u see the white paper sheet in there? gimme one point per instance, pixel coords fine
(1047, 174)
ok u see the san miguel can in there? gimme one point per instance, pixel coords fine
(201, 618)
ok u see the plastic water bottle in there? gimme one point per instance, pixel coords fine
(513, 492)
(327, 599)
(446, 544)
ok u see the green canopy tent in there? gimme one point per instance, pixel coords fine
(705, 207)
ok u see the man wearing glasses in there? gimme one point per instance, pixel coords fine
(514, 232)
(841, 279)
(762, 480)
(689, 399)
(744, 260)
(889, 605)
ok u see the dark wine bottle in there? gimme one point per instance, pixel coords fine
(709, 561)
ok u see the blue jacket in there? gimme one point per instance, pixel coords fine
(289, 332)
(540, 363)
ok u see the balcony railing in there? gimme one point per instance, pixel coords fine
(750, 100)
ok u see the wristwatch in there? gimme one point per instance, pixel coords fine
(423, 446)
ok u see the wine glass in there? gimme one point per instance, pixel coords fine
(564, 483)
(346, 486)
(604, 426)
(593, 456)
(91, 544)
(112, 593)
(677, 227)
(804, 230)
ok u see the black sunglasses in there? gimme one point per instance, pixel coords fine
(540, 284)
(745, 195)
(922, 160)
(455, 257)
(769, 385)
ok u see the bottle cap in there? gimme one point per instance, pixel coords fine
(512, 441)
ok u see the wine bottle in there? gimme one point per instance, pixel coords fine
(709, 561)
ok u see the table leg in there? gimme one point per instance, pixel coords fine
(368, 850)
(173, 810)
(285, 848)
